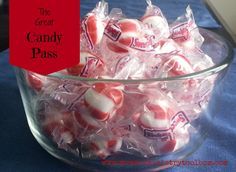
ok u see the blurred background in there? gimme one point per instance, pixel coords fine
(4, 23)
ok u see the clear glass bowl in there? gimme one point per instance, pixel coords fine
(57, 108)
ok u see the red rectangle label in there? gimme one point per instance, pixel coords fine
(44, 34)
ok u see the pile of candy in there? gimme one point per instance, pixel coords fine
(98, 119)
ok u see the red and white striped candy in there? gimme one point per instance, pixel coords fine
(93, 27)
(60, 127)
(155, 20)
(179, 65)
(181, 139)
(103, 98)
(35, 80)
(105, 147)
(128, 30)
(88, 64)
(156, 117)
(60, 134)
(157, 23)
(85, 120)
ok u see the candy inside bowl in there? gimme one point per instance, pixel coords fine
(137, 97)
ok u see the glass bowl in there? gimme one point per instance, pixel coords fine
(106, 124)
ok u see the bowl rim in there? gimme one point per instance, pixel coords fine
(203, 73)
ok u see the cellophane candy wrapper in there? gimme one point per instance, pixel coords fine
(156, 21)
(96, 120)
(185, 31)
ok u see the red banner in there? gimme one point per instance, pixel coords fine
(44, 34)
